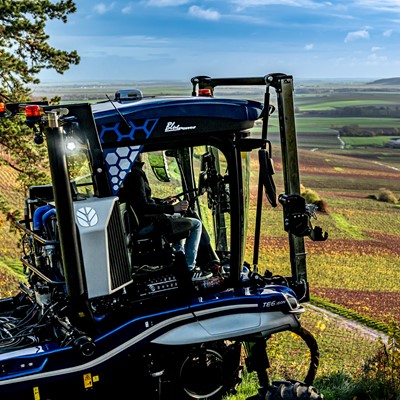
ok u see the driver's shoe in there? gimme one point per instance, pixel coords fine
(199, 275)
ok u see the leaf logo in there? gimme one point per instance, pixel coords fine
(87, 216)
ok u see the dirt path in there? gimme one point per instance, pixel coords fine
(350, 324)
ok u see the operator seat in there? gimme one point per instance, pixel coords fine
(152, 243)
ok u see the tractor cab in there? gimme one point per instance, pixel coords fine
(194, 150)
(109, 292)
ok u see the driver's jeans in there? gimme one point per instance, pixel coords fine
(190, 245)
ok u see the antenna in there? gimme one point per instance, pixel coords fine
(127, 124)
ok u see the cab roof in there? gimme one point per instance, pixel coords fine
(162, 116)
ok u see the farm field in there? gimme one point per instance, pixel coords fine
(356, 272)
(358, 267)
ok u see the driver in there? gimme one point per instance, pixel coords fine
(137, 191)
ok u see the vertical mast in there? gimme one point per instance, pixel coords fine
(284, 89)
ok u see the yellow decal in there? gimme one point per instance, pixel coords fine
(96, 378)
(87, 381)
(36, 394)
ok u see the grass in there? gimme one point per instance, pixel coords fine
(11, 272)
(367, 141)
(348, 229)
(350, 314)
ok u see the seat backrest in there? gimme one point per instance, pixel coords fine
(173, 229)
(130, 219)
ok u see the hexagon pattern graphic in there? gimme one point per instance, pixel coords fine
(119, 162)
(118, 131)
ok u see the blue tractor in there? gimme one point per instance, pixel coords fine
(109, 308)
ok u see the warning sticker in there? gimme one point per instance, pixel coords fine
(87, 381)
(36, 394)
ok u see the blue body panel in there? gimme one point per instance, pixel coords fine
(265, 310)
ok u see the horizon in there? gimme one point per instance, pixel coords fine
(112, 82)
(177, 39)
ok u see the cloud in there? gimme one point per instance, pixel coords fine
(387, 33)
(247, 19)
(292, 3)
(376, 48)
(127, 9)
(102, 8)
(202, 13)
(379, 5)
(352, 36)
(166, 3)
(309, 46)
(375, 59)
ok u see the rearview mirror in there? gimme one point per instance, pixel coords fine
(159, 165)
(266, 172)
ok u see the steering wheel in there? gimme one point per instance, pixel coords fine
(181, 196)
(185, 192)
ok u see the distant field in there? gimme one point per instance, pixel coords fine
(339, 97)
(364, 241)
(98, 91)
(315, 124)
(356, 270)
(304, 124)
(366, 141)
(330, 105)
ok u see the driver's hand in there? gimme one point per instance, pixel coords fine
(182, 206)
(169, 199)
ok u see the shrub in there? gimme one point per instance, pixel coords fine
(378, 379)
(312, 197)
(322, 206)
(381, 374)
(387, 196)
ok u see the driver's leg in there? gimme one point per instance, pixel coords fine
(192, 243)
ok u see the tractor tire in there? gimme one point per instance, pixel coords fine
(292, 390)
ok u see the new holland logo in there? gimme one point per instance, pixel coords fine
(172, 127)
(87, 217)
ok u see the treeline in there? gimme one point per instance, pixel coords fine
(392, 111)
(357, 131)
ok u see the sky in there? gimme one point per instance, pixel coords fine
(178, 39)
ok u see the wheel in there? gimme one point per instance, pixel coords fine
(292, 390)
(208, 371)
(302, 356)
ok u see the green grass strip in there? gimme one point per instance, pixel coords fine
(350, 314)
(342, 222)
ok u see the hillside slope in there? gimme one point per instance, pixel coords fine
(386, 81)
(12, 199)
